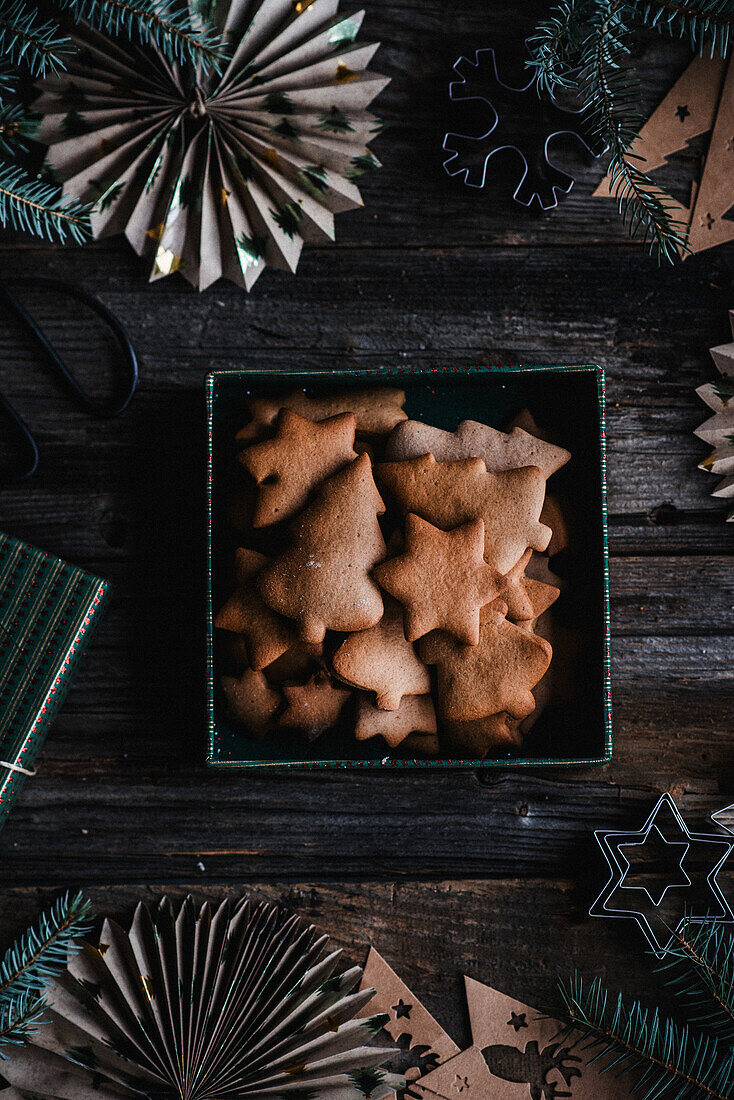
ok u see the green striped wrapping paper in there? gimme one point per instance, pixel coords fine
(48, 610)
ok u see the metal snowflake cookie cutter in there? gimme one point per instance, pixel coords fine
(655, 929)
(541, 179)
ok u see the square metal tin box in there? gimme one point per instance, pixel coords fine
(568, 402)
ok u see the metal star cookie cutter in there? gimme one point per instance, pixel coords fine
(541, 179)
(656, 930)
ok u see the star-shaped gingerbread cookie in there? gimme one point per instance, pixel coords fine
(449, 494)
(251, 700)
(441, 579)
(266, 633)
(499, 674)
(313, 707)
(416, 714)
(289, 467)
(527, 597)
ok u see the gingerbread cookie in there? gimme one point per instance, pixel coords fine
(498, 450)
(313, 707)
(323, 581)
(376, 410)
(251, 701)
(560, 684)
(449, 494)
(555, 516)
(288, 468)
(382, 660)
(442, 579)
(424, 744)
(476, 739)
(297, 663)
(526, 597)
(496, 675)
(267, 635)
(416, 714)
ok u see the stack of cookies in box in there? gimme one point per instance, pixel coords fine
(392, 579)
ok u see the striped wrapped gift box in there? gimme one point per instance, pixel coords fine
(48, 610)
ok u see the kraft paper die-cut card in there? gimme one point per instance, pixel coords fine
(465, 1077)
(700, 102)
(526, 1058)
(422, 1042)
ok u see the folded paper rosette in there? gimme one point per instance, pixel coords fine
(238, 1000)
(218, 173)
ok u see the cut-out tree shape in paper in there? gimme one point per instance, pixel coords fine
(700, 102)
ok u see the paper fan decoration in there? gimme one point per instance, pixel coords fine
(718, 430)
(215, 174)
(238, 1001)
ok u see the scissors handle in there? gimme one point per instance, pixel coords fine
(26, 443)
(103, 410)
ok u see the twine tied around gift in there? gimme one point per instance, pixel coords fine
(17, 768)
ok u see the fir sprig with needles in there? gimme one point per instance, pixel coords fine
(38, 956)
(36, 45)
(666, 1058)
(586, 45)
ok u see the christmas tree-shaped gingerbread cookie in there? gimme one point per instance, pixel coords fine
(448, 494)
(323, 580)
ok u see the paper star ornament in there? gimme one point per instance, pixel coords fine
(718, 430)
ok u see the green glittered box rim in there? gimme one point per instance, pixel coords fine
(441, 393)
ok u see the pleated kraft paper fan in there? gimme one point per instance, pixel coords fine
(718, 430)
(218, 174)
(235, 1001)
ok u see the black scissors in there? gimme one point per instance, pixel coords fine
(26, 443)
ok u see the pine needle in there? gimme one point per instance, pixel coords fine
(43, 951)
(171, 29)
(33, 206)
(586, 44)
(667, 1061)
(28, 39)
(19, 1019)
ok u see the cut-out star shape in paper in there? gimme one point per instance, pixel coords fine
(401, 1010)
(691, 892)
(517, 1020)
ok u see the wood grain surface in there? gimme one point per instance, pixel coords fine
(489, 873)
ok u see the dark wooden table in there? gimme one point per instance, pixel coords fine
(485, 873)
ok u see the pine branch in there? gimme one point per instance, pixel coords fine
(706, 23)
(19, 1019)
(699, 967)
(555, 45)
(33, 206)
(43, 951)
(668, 1061)
(154, 22)
(608, 96)
(26, 38)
